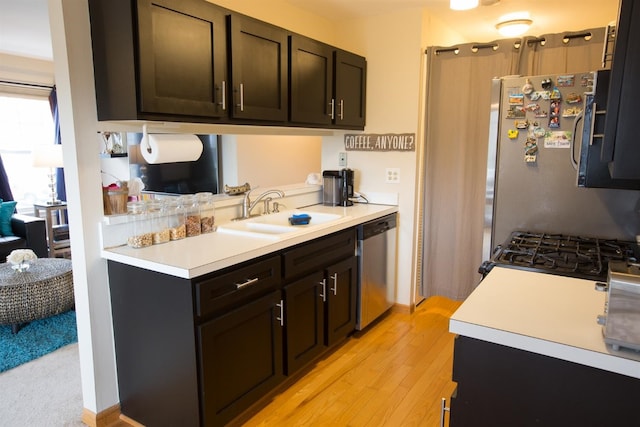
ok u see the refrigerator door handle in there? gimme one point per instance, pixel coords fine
(574, 162)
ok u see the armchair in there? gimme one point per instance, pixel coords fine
(30, 233)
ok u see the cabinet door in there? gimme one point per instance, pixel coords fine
(311, 72)
(240, 358)
(182, 58)
(341, 300)
(350, 90)
(621, 144)
(259, 57)
(304, 321)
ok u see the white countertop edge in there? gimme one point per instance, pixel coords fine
(607, 362)
(255, 247)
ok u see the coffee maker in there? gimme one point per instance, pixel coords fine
(337, 187)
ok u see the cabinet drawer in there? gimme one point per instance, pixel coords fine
(319, 253)
(236, 286)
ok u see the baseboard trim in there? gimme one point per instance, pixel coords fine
(106, 418)
(400, 308)
(130, 422)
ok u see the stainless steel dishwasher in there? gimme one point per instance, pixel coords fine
(376, 268)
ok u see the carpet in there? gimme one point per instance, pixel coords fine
(36, 339)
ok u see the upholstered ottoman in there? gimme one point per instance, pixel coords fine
(44, 290)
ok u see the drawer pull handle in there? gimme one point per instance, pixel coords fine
(247, 283)
(335, 283)
(281, 318)
(443, 409)
(323, 295)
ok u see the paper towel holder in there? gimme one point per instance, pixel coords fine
(147, 146)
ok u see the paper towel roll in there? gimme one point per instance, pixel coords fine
(170, 148)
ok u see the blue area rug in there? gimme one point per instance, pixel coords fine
(36, 339)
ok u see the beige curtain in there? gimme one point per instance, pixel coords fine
(456, 144)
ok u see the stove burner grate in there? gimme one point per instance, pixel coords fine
(575, 256)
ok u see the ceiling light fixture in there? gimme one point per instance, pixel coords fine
(463, 4)
(513, 27)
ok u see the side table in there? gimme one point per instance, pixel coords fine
(56, 246)
(44, 290)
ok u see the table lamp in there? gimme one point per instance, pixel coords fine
(49, 156)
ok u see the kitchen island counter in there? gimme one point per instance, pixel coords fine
(545, 314)
(195, 256)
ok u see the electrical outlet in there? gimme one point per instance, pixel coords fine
(393, 175)
(342, 159)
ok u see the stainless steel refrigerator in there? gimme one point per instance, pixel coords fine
(531, 181)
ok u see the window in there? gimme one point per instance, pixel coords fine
(25, 122)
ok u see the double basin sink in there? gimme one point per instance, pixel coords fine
(276, 226)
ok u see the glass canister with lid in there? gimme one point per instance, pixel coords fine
(159, 222)
(207, 212)
(140, 235)
(192, 215)
(176, 215)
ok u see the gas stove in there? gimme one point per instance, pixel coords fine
(573, 256)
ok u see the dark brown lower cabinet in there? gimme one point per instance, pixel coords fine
(320, 311)
(504, 386)
(341, 299)
(305, 319)
(240, 358)
(201, 351)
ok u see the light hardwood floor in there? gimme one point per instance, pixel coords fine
(393, 374)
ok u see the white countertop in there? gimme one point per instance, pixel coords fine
(198, 255)
(545, 314)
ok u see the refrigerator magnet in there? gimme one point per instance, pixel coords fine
(539, 132)
(535, 96)
(521, 124)
(555, 94)
(566, 80)
(516, 112)
(546, 83)
(516, 99)
(554, 122)
(571, 112)
(541, 114)
(573, 98)
(533, 106)
(527, 89)
(513, 133)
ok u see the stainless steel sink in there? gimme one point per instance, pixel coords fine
(274, 226)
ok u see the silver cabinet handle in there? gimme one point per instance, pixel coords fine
(333, 108)
(241, 105)
(443, 409)
(281, 318)
(224, 96)
(323, 295)
(247, 283)
(334, 277)
(341, 109)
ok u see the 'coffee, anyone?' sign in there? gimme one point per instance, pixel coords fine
(380, 142)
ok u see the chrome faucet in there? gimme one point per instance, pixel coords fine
(248, 205)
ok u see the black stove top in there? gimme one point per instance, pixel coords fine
(573, 256)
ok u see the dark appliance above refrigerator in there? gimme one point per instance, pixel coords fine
(593, 169)
(564, 255)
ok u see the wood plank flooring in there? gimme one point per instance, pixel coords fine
(393, 374)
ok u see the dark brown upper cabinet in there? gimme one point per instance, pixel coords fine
(350, 80)
(258, 69)
(194, 61)
(311, 73)
(159, 59)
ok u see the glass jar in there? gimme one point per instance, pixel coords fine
(176, 220)
(159, 222)
(207, 212)
(140, 235)
(192, 215)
